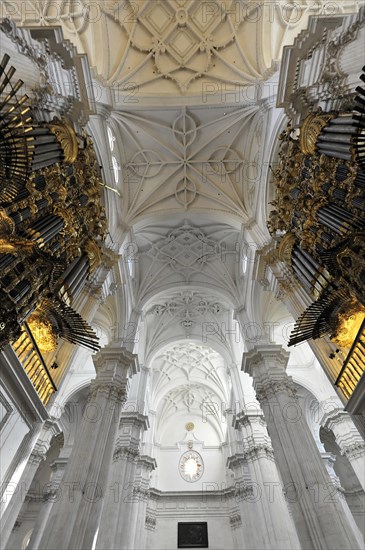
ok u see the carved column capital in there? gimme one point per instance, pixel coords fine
(267, 354)
(135, 419)
(266, 389)
(346, 434)
(245, 419)
(36, 456)
(112, 356)
(356, 450)
(235, 521)
(125, 453)
(150, 523)
(236, 461)
(114, 366)
(244, 491)
(147, 462)
(109, 390)
(39, 452)
(266, 364)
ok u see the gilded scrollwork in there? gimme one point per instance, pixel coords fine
(67, 138)
(318, 212)
(64, 198)
(311, 128)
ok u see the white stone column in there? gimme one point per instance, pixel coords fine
(266, 499)
(37, 455)
(75, 516)
(329, 460)
(145, 466)
(348, 439)
(117, 524)
(235, 520)
(246, 499)
(320, 521)
(50, 497)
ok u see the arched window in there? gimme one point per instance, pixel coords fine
(111, 138)
(116, 169)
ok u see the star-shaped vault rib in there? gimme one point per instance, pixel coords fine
(183, 159)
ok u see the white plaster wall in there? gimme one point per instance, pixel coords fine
(165, 535)
(173, 442)
(168, 477)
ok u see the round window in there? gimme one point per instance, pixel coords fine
(191, 466)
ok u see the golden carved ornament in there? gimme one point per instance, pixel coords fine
(7, 225)
(67, 138)
(189, 426)
(285, 248)
(34, 193)
(67, 215)
(42, 331)
(9, 243)
(310, 130)
(13, 247)
(94, 254)
(348, 325)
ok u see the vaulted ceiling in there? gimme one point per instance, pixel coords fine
(187, 88)
(173, 47)
(189, 159)
(189, 381)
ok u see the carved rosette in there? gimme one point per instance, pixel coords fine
(141, 494)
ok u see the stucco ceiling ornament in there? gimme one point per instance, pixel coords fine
(188, 305)
(187, 255)
(192, 397)
(188, 44)
(191, 362)
(185, 249)
(184, 38)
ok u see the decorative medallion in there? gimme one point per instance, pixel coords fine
(191, 466)
(189, 426)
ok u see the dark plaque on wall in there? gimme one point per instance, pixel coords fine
(192, 535)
